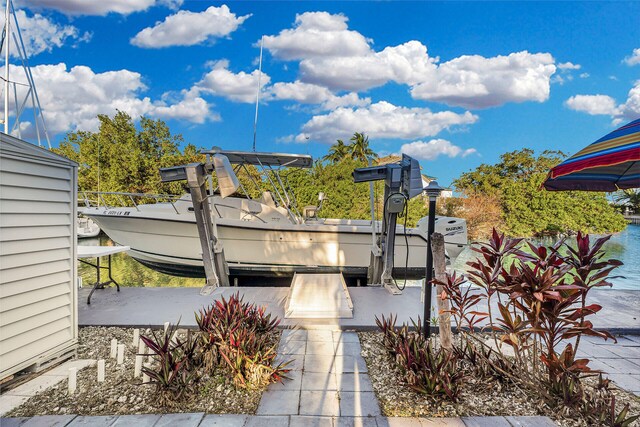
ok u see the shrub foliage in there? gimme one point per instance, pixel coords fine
(235, 339)
(542, 299)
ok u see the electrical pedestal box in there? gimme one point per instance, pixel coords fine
(395, 203)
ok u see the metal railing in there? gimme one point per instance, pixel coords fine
(97, 199)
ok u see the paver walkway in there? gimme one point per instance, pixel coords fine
(328, 377)
(619, 361)
(202, 420)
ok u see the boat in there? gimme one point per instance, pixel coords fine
(261, 236)
(86, 227)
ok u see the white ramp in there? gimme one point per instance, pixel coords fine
(318, 296)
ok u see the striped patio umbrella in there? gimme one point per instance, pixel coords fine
(609, 164)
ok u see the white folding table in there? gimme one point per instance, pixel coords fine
(97, 252)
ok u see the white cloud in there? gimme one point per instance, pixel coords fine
(91, 7)
(569, 66)
(337, 58)
(187, 28)
(630, 110)
(171, 4)
(634, 58)
(239, 87)
(406, 64)
(40, 34)
(592, 104)
(467, 81)
(305, 93)
(584, 75)
(478, 82)
(317, 34)
(72, 98)
(606, 105)
(381, 120)
(432, 149)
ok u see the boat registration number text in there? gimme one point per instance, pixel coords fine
(118, 213)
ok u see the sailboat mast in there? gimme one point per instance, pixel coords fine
(6, 65)
(255, 120)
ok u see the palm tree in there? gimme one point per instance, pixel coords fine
(337, 152)
(359, 147)
(630, 198)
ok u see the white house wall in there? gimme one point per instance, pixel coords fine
(38, 292)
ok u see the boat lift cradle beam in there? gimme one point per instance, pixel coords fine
(402, 181)
(215, 266)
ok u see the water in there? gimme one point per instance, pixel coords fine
(624, 246)
(129, 272)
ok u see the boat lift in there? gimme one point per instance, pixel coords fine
(215, 266)
(198, 175)
(402, 181)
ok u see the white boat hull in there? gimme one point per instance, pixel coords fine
(170, 243)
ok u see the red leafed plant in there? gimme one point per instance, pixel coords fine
(543, 311)
(426, 369)
(235, 335)
(175, 367)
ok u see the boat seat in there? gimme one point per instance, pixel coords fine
(310, 212)
(267, 199)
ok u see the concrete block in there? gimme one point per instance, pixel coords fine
(13, 422)
(279, 403)
(348, 348)
(9, 403)
(345, 336)
(224, 420)
(292, 384)
(296, 362)
(353, 382)
(399, 422)
(101, 421)
(293, 335)
(182, 420)
(441, 422)
(486, 422)
(319, 403)
(324, 335)
(320, 363)
(531, 422)
(593, 350)
(356, 422)
(351, 364)
(626, 381)
(320, 347)
(291, 347)
(308, 421)
(264, 421)
(140, 420)
(48, 421)
(622, 366)
(359, 404)
(319, 381)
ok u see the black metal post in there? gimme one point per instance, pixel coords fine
(429, 273)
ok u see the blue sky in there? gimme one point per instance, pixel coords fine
(452, 84)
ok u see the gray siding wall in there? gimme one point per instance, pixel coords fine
(38, 290)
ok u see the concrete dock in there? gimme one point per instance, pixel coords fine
(143, 307)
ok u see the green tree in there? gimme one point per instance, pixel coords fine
(530, 210)
(337, 152)
(628, 198)
(359, 148)
(121, 157)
